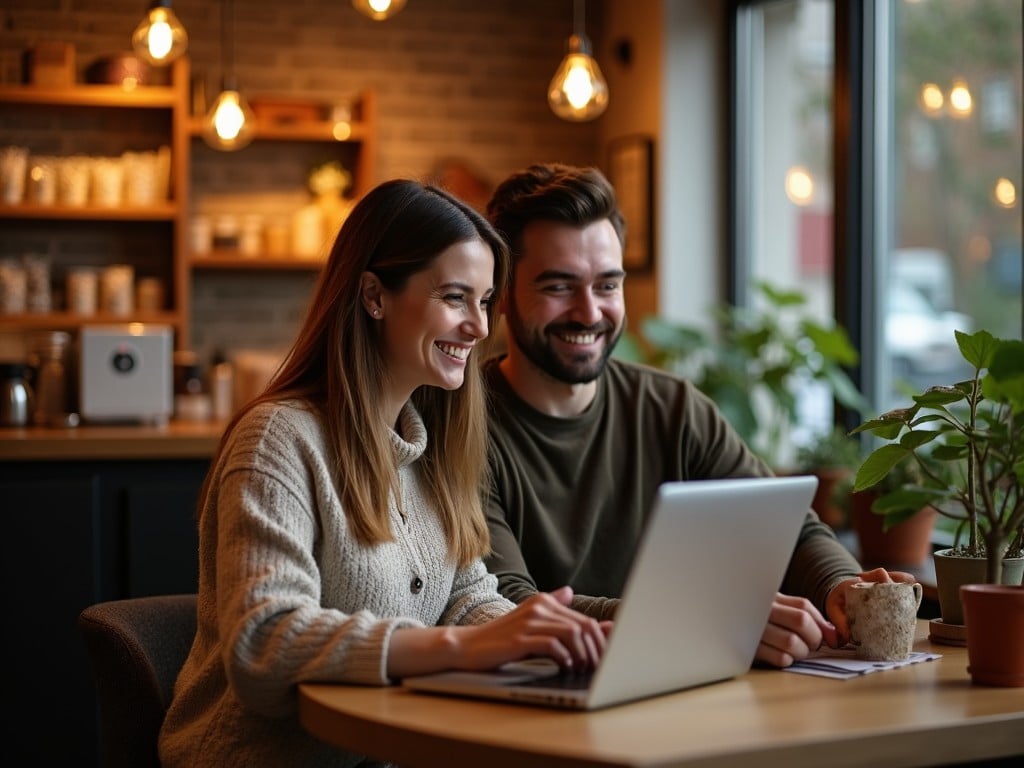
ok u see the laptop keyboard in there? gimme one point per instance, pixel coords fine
(568, 681)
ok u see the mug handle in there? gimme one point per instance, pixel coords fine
(918, 593)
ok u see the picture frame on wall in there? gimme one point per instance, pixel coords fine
(631, 172)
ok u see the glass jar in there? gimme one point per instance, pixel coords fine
(48, 359)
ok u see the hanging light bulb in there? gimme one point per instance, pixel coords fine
(229, 125)
(578, 91)
(378, 10)
(230, 122)
(160, 38)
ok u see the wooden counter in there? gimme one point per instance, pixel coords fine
(176, 440)
(90, 513)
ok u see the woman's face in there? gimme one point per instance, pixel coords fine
(431, 324)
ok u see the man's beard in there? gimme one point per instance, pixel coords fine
(579, 370)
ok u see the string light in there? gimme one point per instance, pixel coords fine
(378, 10)
(160, 37)
(230, 123)
(578, 91)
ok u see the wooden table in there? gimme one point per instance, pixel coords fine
(924, 714)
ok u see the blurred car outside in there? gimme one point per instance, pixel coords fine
(918, 337)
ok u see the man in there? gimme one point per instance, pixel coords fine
(580, 441)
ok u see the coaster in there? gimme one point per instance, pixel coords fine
(947, 634)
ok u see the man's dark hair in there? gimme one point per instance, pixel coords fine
(553, 192)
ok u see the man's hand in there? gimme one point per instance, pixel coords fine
(835, 604)
(795, 629)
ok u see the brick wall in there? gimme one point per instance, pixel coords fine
(462, 79)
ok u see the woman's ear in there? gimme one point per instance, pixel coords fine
(370, 292)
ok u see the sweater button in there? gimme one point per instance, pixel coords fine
(417, 585)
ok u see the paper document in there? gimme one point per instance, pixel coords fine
(842, 664)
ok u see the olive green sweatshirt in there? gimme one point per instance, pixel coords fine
(570, 496)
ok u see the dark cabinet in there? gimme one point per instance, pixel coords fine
(78, 532)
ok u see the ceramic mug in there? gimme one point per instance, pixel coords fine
(882, 618)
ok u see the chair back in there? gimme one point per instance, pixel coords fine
(136, 647)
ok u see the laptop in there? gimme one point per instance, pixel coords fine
(696, 601)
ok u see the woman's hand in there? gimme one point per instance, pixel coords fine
(543, 625)
(835, 604)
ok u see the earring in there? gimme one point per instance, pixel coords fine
(376, 313)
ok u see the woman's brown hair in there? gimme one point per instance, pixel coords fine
(336, 365)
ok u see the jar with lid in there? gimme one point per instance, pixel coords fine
(37, 282)
(48, 358)
(191, 402)
(226, 232)
(13, 287)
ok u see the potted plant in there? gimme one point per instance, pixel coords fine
(832, 457)
(903, 538)
(754, 362)
(976, 429)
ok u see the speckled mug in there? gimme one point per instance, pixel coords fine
(882, 619)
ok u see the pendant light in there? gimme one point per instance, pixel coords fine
(230, 123)
(160, 37)
(578, 90)
(378, 10)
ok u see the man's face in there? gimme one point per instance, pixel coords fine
(565, 311)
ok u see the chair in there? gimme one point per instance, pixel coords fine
(136, 648)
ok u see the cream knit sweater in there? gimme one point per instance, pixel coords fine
(286, 595)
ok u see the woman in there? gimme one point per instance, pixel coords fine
(337, 542)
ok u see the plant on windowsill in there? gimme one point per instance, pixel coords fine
(754, 364)
(902, 538)
(833, 457)
(976, 427)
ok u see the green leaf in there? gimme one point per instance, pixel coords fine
(887, 429)
(916, 438)
(832, 343)
(846, 391)
(906, 501)
(935, 397)
(780, 297)
(949, 452)
(679, 339)
(977, 348)
(1005, 381)
(877, 465)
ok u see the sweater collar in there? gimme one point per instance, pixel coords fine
(409, 446)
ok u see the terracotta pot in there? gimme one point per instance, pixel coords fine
(907, 543)
(953, 572)
(994, 616)
(823, 503)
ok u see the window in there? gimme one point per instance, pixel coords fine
(947, 201)
(877, 168)
(782, 181)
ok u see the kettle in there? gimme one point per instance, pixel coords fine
(15, 395)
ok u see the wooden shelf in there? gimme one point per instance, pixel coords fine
(69, 321)
(227, 261)
(163, 223)
(306, 131)
(154, 96)
(159, 212)
(166, 221)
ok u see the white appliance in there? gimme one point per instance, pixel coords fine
(127, 373)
